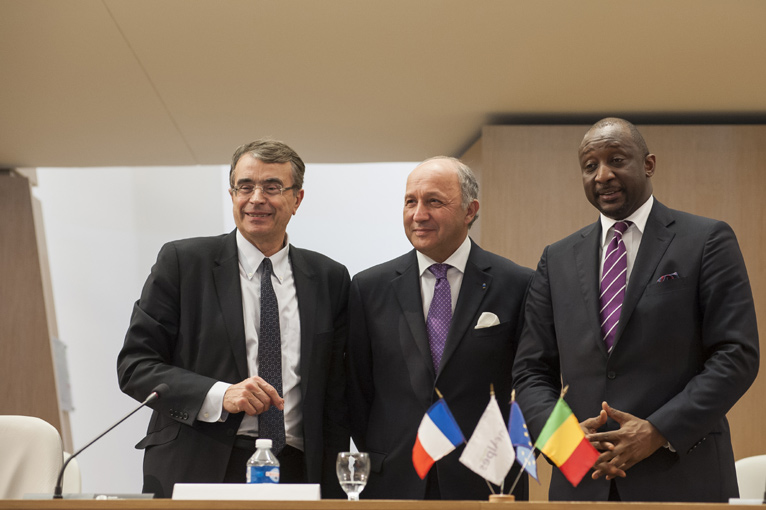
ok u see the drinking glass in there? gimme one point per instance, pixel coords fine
(352, 469)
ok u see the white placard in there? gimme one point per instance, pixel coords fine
(248, 491)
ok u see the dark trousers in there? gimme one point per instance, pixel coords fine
(613, 494)
(432, 485)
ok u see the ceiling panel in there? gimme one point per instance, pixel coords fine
(74, 94)
(158, 82)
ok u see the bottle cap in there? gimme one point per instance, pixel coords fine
(263, 443)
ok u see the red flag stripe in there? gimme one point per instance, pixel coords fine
(579, 463)
(421, 460)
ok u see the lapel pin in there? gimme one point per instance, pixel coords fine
(483, 286)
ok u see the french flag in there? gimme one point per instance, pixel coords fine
(438, 435)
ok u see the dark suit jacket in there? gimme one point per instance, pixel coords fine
(187, 330)
(391, 375)
(685, 351)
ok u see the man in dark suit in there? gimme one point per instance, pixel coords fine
(248, 332)
(653, 328)
(415, 327)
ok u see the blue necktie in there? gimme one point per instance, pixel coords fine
(271, 424)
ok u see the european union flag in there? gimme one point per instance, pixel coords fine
(525, 452)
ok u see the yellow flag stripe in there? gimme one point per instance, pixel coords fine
(563, 441)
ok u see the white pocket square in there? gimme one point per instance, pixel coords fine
(487, 320)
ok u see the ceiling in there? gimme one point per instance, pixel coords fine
(183, 82)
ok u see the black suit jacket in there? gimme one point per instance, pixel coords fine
(686, 349)
(187, 330)
(391, 374)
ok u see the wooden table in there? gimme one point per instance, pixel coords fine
(167, 504)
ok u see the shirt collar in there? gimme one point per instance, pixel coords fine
(458, 259)
(639, 219)
(251, 257)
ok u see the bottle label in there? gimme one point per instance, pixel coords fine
(263, 474)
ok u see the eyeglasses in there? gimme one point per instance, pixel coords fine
(272, 190)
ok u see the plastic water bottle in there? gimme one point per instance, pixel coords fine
(263, 466)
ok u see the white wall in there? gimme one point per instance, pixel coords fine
(104, 228)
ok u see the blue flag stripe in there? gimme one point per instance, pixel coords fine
(442, 418)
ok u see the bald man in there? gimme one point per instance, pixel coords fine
(415, 326)
(648, 316)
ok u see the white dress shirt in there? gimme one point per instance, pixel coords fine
(457, 260)
(250, 272)
(631, 238)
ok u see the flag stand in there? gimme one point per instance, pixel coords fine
(499, 498)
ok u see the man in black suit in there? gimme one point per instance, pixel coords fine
(396, 357)
(656, 376)
(244, 355)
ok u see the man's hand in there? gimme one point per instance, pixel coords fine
(252, 396)
(591, 426)
(634, 441)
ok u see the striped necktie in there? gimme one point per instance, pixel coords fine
(613, 284)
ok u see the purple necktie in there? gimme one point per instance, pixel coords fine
(613, 284)
(439, 314)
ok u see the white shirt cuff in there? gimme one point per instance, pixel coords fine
(212, 408)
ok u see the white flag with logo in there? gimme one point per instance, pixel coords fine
(489, 452)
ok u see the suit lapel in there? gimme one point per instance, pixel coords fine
(227, 285)
(476, 283)
(306, 291)
(407, 290)
(586, 257)
(654, 243)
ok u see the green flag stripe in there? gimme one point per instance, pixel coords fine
(560, 413)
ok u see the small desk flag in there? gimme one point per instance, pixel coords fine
(438, 435)
(563, 441)
(489, 452)
(525, 452)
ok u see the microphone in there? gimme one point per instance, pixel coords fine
(154, 395)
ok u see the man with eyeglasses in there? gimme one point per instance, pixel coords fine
(248, 331)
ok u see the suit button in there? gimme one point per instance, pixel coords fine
(611, 374)
(230, 432)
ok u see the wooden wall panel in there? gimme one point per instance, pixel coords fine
(532, 196)
(473, 158)
(531, 179)
(26, 364)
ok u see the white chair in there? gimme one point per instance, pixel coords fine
(751, 477)
(31, 458)
(72, 483)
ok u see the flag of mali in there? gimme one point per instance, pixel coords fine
(563, 441)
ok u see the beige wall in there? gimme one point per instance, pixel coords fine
(532, 196)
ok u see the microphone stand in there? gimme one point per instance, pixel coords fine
(57, 492)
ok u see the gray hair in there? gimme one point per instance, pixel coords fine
(469, 186)
(270, 151)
